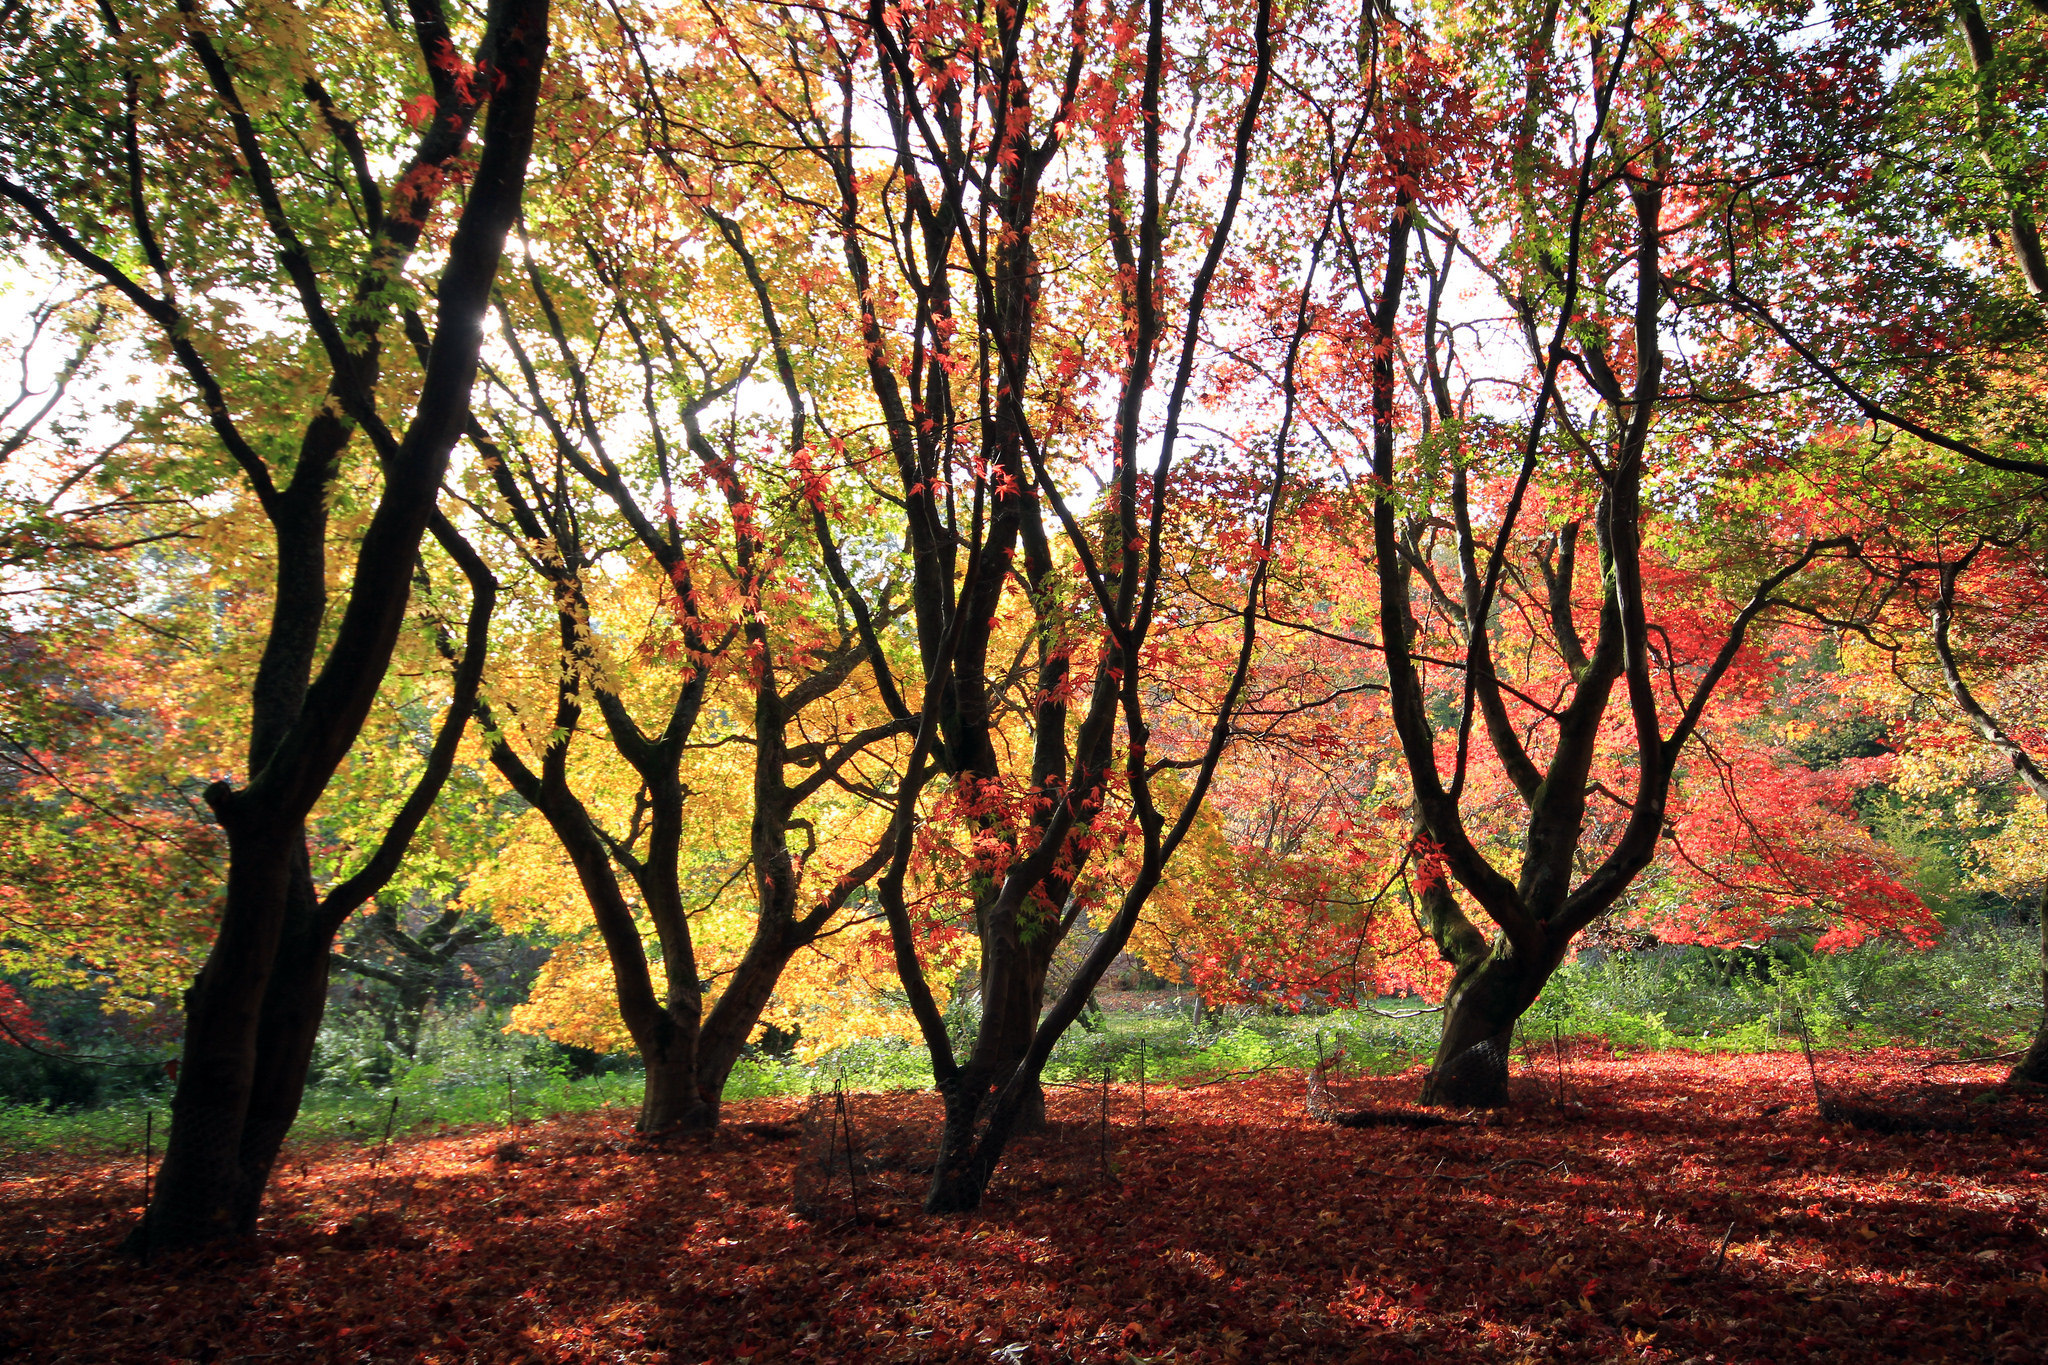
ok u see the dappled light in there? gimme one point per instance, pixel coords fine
(1114, 682)
(1672, 1208)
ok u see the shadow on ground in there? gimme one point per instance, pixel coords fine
(1672, 1208)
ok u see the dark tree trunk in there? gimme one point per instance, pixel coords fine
(293, 1005)
(199, 1193)
(1480, 1010)
(961, 1173)
(1007, 1030)
(2033, 1068)
(671, 1101)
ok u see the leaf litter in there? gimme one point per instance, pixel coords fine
(1670, 1208)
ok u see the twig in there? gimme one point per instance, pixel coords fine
(1230, 1075)
(1722, 1253)
(1402, 1014)
(26, 1046)
(1965, 1061)
(1557, 1052)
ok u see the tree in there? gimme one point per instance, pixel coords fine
(108, 127)
(727, 604)
(1476, 518)
(419, 961)
(1009, 139)
(1949, 157)
(2033, 1066)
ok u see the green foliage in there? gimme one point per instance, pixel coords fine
(1978, 990)
(27, 1078)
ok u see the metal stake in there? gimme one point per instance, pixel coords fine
(852, 1181)
(148, 1150)
(1105, 1115)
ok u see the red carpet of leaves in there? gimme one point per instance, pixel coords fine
(1238, 1230)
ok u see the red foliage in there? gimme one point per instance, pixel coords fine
(1767, 848)
(1677, 1208)
(20, 1025)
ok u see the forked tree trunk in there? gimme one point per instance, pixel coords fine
(686, 1078)
(200, 1192)
(957, 1177)
(670, 1101)
(1480, 1010)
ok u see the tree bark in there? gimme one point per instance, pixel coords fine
(1008, 1029)
(255, 1008)
(977, 1126)
(293, 1005)
(2032, 1069)
(1480, 1010)
(671, 1101)
(961, 1173)
(198, 1189)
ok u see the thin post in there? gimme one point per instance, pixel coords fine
(148, 1151)
(1105, 1114)
(377, 1161)
(1557, 1052)
(1820, 1102)
(852, 1180)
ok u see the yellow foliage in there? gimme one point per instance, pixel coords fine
(573, 1000)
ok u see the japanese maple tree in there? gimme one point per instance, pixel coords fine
(111, 119)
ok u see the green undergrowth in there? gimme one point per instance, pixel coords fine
(1979, 991)
(1976, 993)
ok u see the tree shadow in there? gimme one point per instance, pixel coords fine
(1666, 1220)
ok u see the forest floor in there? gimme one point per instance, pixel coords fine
(1674, 1207)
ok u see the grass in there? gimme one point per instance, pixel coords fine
(1976, 993)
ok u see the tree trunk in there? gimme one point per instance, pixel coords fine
(959, 1178)
(1007, 1030)
(671, 1101)
(198, 1194)
(738, 1012)
(2033, 1068)
(248, 1051)
(412, 1016)
(1480, 1010)
(294, 1004)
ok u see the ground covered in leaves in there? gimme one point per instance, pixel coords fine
(1671, 1208)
